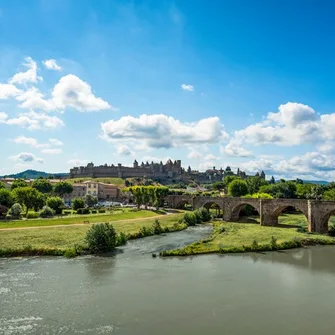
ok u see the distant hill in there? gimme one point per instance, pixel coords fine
(33, 174)
(321, 182)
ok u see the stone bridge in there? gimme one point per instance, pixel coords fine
(316, 212)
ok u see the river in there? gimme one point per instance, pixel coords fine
(291, 292)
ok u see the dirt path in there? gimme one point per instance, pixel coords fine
(81, 224)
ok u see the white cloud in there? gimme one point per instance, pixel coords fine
(28, 76)
(51, 64)
(161, 131)
(33, 121)
(211, 157)
(234, 149)
(8, 90)
(26, 157)
(34, 99)
(73, 92)
(186, 87)
(78, 162)
(194, 154)
(51, 151)
(123, 150)
(55, 141)
(3, 117)
(26, 140)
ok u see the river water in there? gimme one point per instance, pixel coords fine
(291, 292)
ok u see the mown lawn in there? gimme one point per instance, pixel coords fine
(66, 237)
(115, 215)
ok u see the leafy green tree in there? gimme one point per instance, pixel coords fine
(316, 192)
(283, 189)
(15, 211)
(42, 185)
(18, 183)
(258, 196)
(101, 237)
(254, 183)
(228, 179)
(90, 200)
(160, 192)
(272, 180)
(29, 197)
(219, 185)
(237, 188)
(46, 212)
(78, 203)
(329, 194)
(3, 211)
(6, 198)
(62, 188)
(56, 204)
(2, 185)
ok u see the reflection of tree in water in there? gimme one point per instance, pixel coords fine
(317, 258)
(102, 265)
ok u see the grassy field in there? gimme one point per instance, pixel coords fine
(66, 237)
(116, 215)
(242, 237)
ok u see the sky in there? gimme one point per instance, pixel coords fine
(248, 84)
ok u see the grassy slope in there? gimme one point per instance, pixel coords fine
(115, 181)
(67, 237)
(125, 214)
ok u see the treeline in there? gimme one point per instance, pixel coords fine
(40, 196)
(148, 195)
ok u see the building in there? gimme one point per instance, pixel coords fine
(79, 191)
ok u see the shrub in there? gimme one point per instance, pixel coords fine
(15, 211)
(121, 239)
(198, 217)
(3, 211)
(78, 203)
(204, 214)
(157, 228)
(101, 237)
(102, 210)
(46, 212)
(83, 211)
(67, 212)
(70, 253)
(273, 243)
(55, 203)
(145, 231)
(254, 245)
(94, 211)
(190, 219)
(331, 230)
(32, 215)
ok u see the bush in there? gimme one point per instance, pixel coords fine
(83, 211)
(102, 210)
(331, 230)
(46, 212)
(204, 214)
(3, 211)
(101, 237)
(70, 253)
(55, 203)
(15, 211)
(190, 219)
(145, 231)
(157, 228)
(198, 217)
(67, 212)
(273, 243)
(121, 239)
(94, 211)
(32, 215)
(78, 203)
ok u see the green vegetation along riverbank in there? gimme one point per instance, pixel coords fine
(231, 237)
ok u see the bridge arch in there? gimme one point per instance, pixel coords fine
(325, 218)
(237, 208)
(180, 204)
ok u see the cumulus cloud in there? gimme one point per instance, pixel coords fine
(211, 157)
(51, 64)
(55, 141)
(28, 76)
(34, 99)
(233, 148)
(3, 117)
(194, 154)
(33, 142)
(26, 157)
(51, 151)
(186, 87)
(33, 121)
(123, 150)
(77, 162)
(161, 131)
(26, 140)
(8, 91)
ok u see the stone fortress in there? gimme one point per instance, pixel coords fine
(168, 172)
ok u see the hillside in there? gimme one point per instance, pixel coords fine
(33, 174)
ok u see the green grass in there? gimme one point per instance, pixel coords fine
(62, 238)
(116, 215)
(241, 237)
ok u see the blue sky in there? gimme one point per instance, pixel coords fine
(213, 83)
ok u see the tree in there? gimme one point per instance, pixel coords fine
(78, 203)
(237, 188)
(15, 211)
(219, 185)
(254, 183)
(62, 188)
(329, 194)
(46, 212)
(56, 204)
(42, 185)
(18, 183)
(258, 196)
(228, 179)
(272, 180)
(283, 189)
(101, 237)
(29, 197)
(6, 198)
(2, 185)
(91, 200)
(3, 211)
(160, 192)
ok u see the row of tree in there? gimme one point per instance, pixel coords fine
(148, 195)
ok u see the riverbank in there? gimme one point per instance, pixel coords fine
(70, 241)
(231, 237)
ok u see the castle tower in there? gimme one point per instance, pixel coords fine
(262, 175)
(135, 164)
